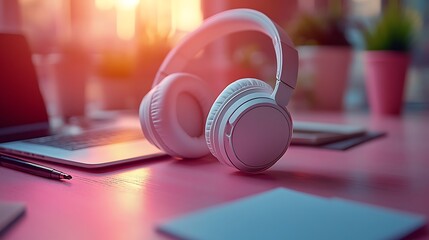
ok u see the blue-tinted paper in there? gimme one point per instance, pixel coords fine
(9, 213)
(286, 214)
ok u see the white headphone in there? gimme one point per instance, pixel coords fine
(248, 126)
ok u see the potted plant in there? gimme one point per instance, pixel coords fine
(325, 57)
(387, 58)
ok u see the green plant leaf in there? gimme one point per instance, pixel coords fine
(321, 28)
(394, 30)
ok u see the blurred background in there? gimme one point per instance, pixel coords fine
(94, 56)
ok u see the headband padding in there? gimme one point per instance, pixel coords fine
(219, 25)
(231, 91)
(166, 108)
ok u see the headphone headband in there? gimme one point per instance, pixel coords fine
(232, 21)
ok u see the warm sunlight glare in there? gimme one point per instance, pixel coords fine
(126, 18)
(136, 179)
(104, 4)
(130, 4)
(161, 19)
(186, 14)
(156, 19)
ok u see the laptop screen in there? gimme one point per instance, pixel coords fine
(22, 108)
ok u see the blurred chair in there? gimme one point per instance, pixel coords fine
(23, 112)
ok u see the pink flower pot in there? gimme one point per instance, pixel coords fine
(323, 76)
(385, 80)
(332, 66)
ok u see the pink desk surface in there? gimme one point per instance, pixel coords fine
(126, 202)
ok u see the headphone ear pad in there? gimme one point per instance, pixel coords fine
(231, 91)
(173, 114)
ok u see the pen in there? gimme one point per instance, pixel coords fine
(33, 168)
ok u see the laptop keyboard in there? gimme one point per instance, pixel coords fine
(89, 139)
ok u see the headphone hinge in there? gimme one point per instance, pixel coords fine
(282, 93)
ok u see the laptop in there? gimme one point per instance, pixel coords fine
(24, 116)
(94, 148)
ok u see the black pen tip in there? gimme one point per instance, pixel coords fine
(67, 176)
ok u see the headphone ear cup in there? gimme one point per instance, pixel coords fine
(246, 128)
(145, 118)
(231, 91)
(173, 113)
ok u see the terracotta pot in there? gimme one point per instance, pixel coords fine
(324, 71)
(385, 74)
